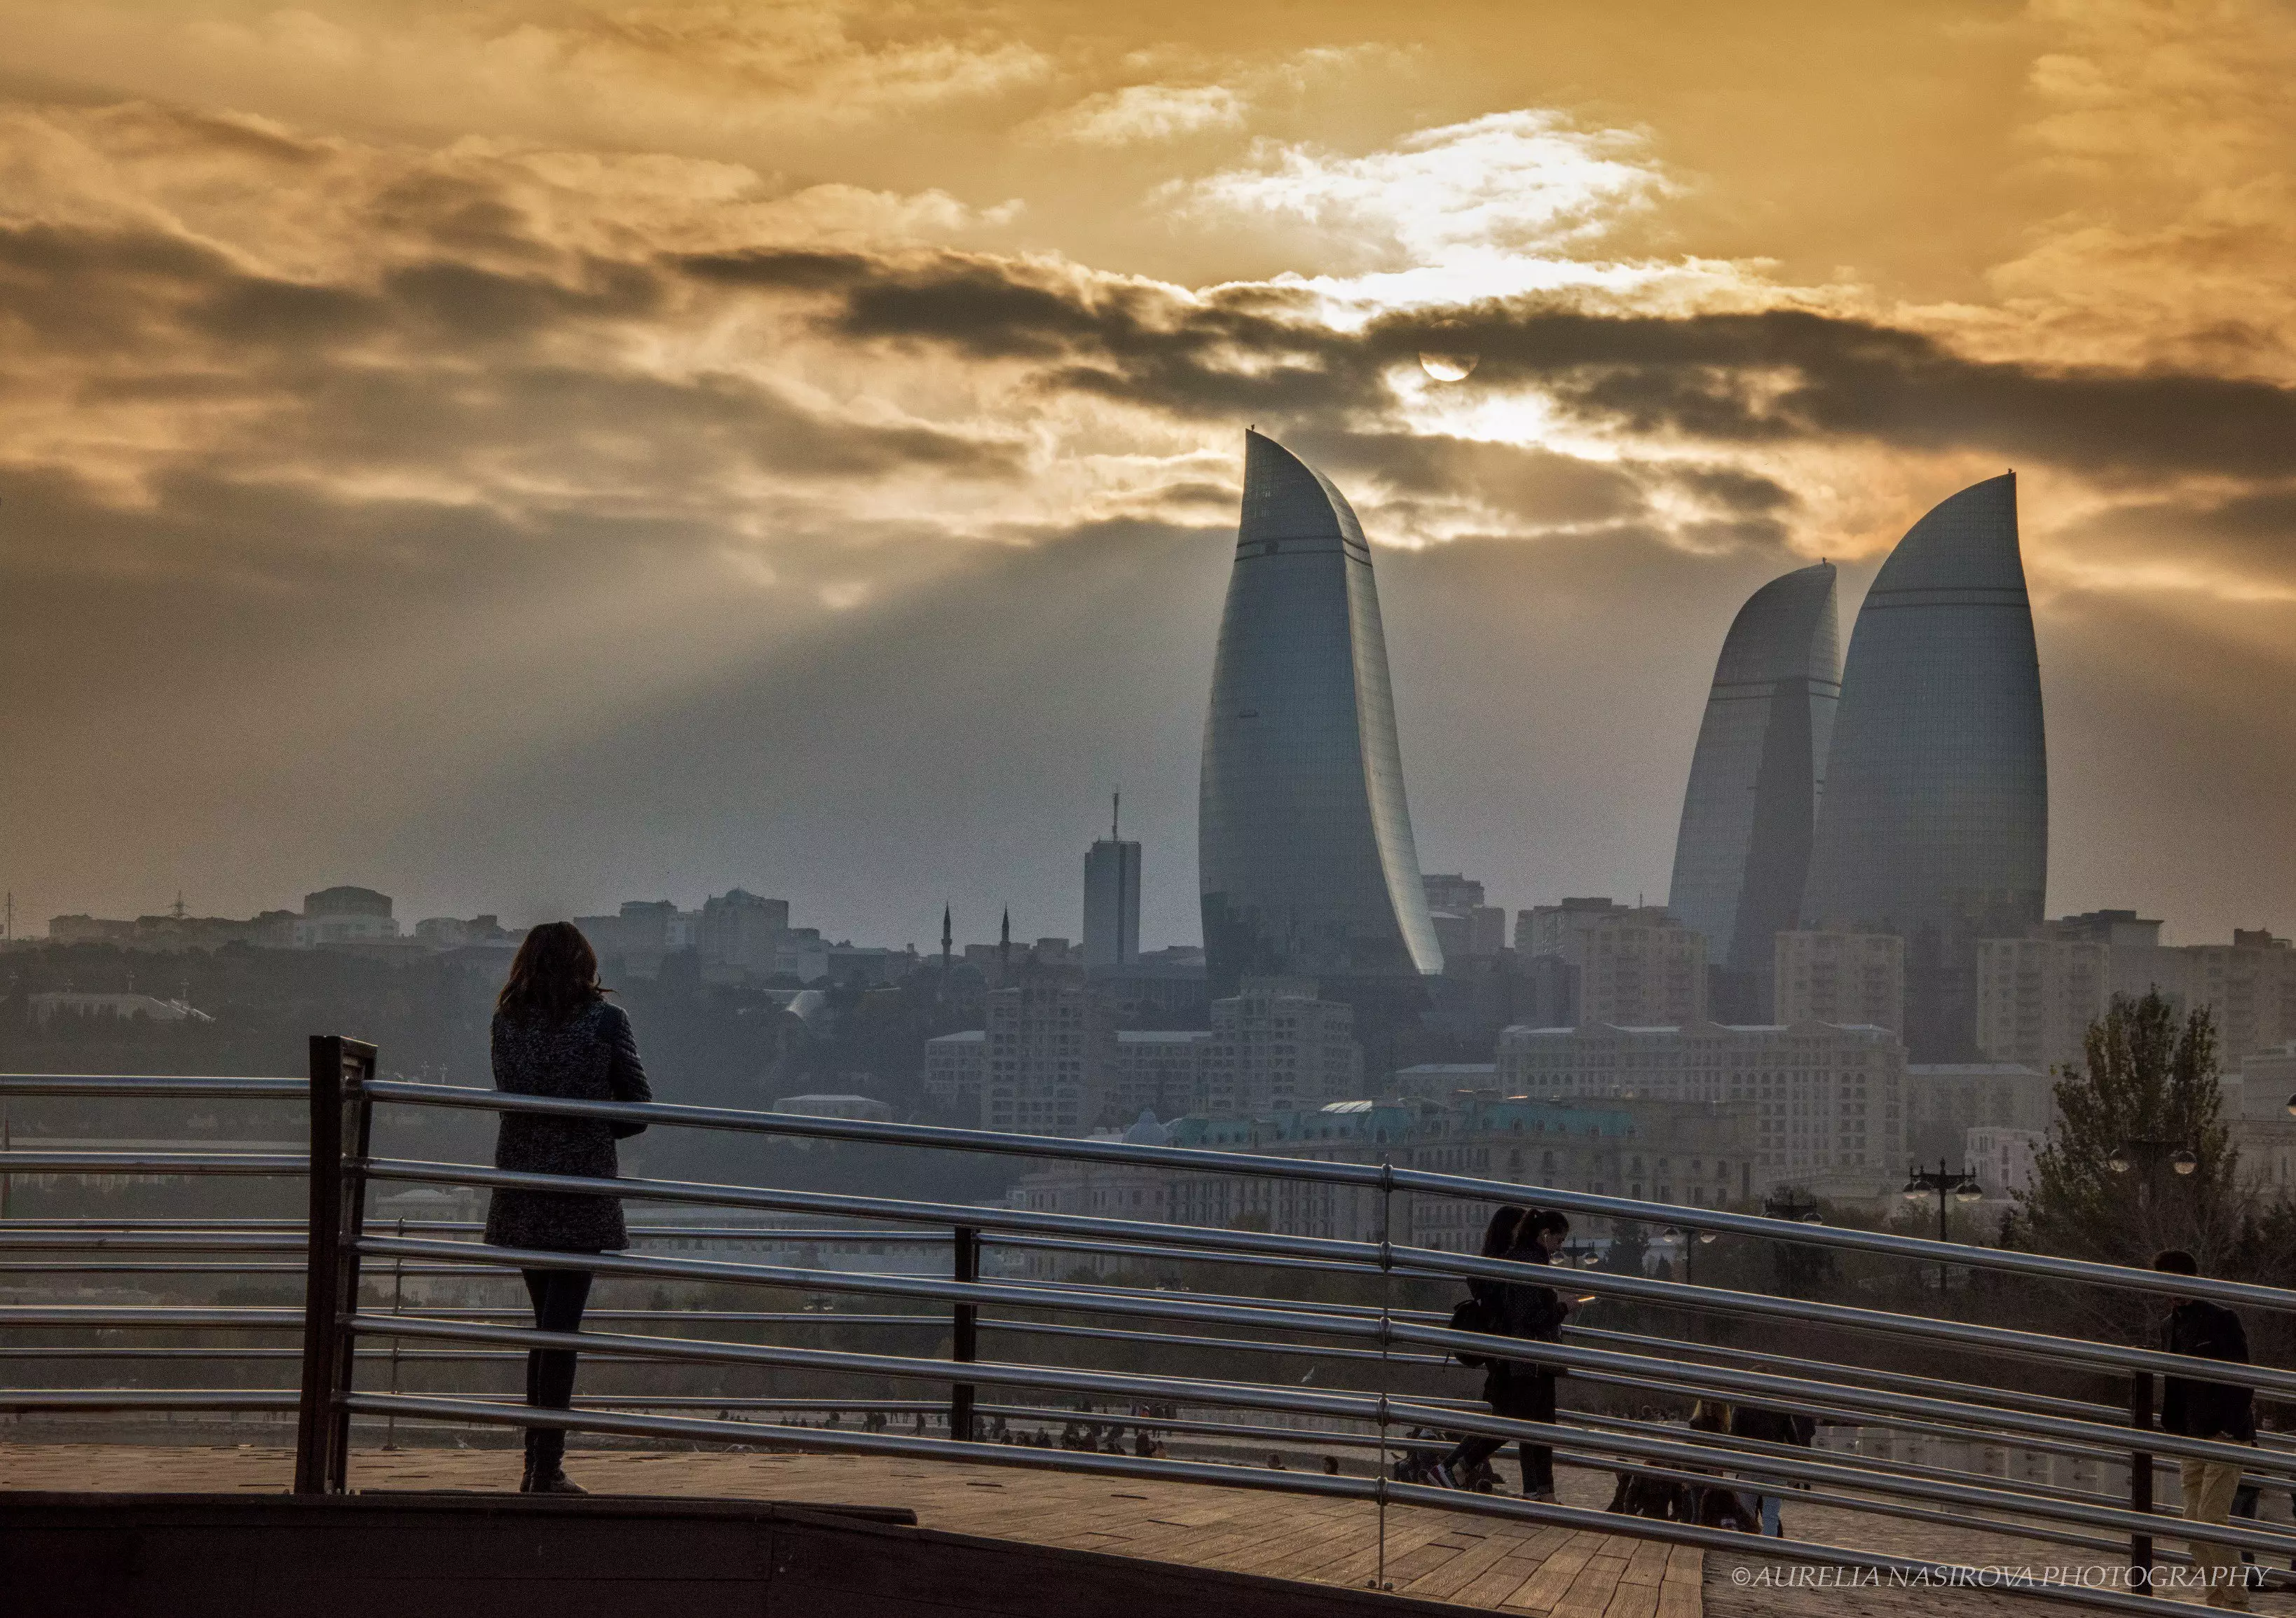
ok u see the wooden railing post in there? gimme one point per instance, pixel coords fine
(964, 1333)
(340, 1116)
(2140, 1477)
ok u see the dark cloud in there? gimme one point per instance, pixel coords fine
(1768, 377)
(2252, 533)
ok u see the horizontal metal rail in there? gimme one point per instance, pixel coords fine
(1367, 1176)
(138, 1087)
(1780, 1392)
(1429, 1263)
(1371, 1490)
(153, 1165)
(147, 1399)
(1365, 1407)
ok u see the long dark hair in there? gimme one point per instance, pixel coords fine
(1498, 1235)
(555, 976)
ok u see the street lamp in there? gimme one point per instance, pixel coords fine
(1793, 1264)
(2150, 1153)
(1690, 1241)
(1942, 1182)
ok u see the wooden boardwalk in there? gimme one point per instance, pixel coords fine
(1434, 1555)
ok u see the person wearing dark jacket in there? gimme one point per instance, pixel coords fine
(555, 1036)
(2198, 1409)
(1771, 1427)
(1518, 1390)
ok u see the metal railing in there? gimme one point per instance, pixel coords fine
(1384, 1356)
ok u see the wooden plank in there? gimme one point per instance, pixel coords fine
(1682, 1593)
(1555, 1576)
(1591, 1591)
(1647, 1565)
(1634, 1601)
(1445, 1583)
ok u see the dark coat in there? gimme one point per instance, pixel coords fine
(1518, 1310)
(1771, 1426)
(2207, 1409)
(590, 1056)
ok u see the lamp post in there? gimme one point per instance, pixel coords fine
(1691, 1241)
(2148, 1153)
(1942, 1182)
(1786, 1203)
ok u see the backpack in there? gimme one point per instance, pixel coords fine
(1473, 1314)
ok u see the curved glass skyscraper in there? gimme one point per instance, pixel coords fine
(1741, 856)
(1935, 819)
(1303, 838)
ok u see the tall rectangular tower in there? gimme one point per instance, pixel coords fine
(1111, 901)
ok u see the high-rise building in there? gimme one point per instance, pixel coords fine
(1158, 1070)
(2037, 997)
(955, 1063)
(739, 929)
(1934, 820)
(2249, 986)
(1829, 1111)
(1741, 856)
(1276, 1045)
(1465, 928)
(1304, 845)
(1045, 1056)
(1630, 964)
(1111, 901)
(1841, 977)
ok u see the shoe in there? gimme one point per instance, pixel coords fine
(557, 1483)
(1545, 1496)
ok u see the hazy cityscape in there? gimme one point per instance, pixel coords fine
(1854, 971)
(994, 809)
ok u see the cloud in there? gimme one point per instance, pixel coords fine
(1517, 183)
(1141, 114)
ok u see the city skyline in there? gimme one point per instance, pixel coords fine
(521, 461)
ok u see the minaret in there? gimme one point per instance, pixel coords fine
(948, 940)
(1005, 947)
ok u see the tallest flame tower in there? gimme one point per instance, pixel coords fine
(1303, 840)
(1935, 819)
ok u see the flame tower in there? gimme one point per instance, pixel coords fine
(1303, 837)
(1935, 820)
(1742, 857)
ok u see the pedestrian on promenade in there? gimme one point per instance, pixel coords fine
(1517, 1390)
(2220, 1410)
(1771, 1427)
(555, 1036)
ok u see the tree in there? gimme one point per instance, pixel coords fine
(2146, 1091)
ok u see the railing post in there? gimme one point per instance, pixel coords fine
(340, 1114)
(2140, 1475)
(963, 1336)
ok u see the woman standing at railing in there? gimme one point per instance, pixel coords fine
(555, 1036)
(1517, 1390)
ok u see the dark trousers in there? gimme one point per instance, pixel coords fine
(1520, 1394)
(558, 1297)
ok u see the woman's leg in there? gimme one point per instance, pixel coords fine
(1535, 1401)
(1475, 1449)
(559, 1296)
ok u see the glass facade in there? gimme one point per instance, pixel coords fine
(1934, 822)
(1303, 834)
(1741, 856)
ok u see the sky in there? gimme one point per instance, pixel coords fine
(527, 456)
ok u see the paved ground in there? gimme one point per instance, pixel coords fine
(1475, 1562)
